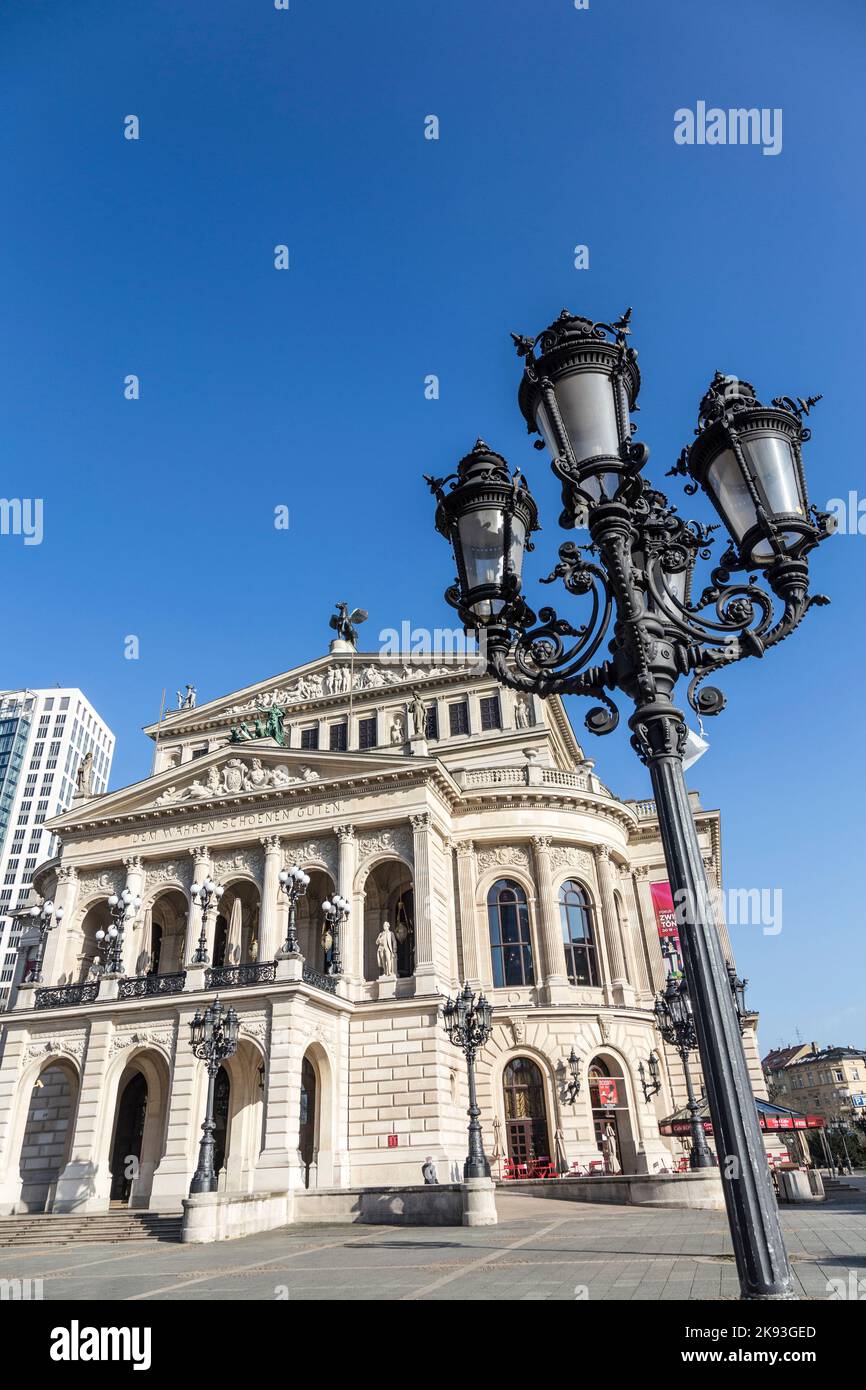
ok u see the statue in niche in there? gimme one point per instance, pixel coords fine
(386, 950)
(84, 776)
(398, 731)
(419, 715)
(521, 712)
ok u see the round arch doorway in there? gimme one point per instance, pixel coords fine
(526, 1124)
(611, 1117)
(128, 1135)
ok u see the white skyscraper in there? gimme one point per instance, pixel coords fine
(44, 734)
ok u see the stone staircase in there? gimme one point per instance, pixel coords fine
(68, 1228)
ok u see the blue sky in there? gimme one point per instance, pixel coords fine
(409, 257)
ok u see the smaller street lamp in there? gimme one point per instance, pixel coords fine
(123, 908)
(205, 895)
(335, 911)
(47, 916)
(213, 1037)
(294, 883)
(653, 1086)
(571, 1089)
(469, 1023)
(676, 1023)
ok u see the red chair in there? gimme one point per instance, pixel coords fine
(596, 1167)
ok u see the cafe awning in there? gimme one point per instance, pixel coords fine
(770, 1117)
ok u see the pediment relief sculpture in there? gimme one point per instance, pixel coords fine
(336, 680)
(237, 775)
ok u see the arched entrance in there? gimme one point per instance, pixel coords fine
(47, 1135)
(309, 921)
(611, 1116)
(389, 897)
(308, 1128)
(236, 933)
(163, 934)
(83, 946)
(526, 1124)
(128, 1137)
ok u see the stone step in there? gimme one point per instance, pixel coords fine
(68, 1228)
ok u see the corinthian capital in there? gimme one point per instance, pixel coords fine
(422, 821)
(542, 843)
(344, 832)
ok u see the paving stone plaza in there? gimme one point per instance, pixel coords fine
(540, 1250)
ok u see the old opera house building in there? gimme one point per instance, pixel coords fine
(488, 843)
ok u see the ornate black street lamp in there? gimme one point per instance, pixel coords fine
(123, 907)
(213, 1038)
(205, 895)
(676, 1023)
(335, 911)
(653, 1086)
(580, 383)
(469, 1023)
(48, 916)
(294, 883)
(571, 1089)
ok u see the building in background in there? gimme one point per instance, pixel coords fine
(44, 734)
(828, 1081)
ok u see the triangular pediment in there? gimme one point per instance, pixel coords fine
(327, 680)
(254, 769)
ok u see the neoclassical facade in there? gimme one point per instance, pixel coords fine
(465, 816)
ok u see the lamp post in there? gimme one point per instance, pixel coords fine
(676, 1023)
(571, 1089)
(738, 994)
(123, 907)
(213, 1038)
(294, 883)
(580, 383)
(653, 1086)
(205, 895)
(469, 1022)
(335, 911)
(48, 916)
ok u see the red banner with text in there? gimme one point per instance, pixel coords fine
(666, 922)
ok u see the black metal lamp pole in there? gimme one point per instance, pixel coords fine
(48, 916)
(579, 385)
(205, 895)
(294, 883)
(675, 1022)
(469, 1023)
(653, 1086)
(214, 1038)
(336, 912)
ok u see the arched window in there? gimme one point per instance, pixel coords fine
(510, 943)
(578, 935)
(525, 1112)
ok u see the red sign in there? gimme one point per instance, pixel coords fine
(668, 930)
(393, 1141)
(607, 1092)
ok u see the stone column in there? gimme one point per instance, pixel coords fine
(468, 926)
(353, 929)
(425, 968)
(132, 929)
(622, 991)
(268, 918)
(200, 871)
(65, 896)
(278, 1167)
(649, 928)
(553, 954)
(636, 936)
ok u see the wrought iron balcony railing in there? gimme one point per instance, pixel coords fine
(231, 976)
(143, 986)
(328, 983)
(63, 996)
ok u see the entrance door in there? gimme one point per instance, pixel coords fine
(609, 1112)
(527, 1131)
(307, 1132)
(128, 1132)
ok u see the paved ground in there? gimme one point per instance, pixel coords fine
(541, 1249)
